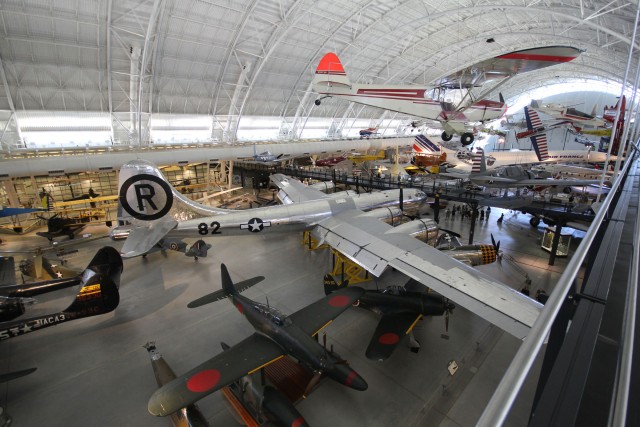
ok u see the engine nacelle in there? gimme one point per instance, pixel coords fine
(391, 215)
(425, 230)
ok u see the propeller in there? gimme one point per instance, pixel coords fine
(495, 245)
(453, 233)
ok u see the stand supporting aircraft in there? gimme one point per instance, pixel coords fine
(337, 220)
(98, 295)
(401, 309)
(510, 176)
(331, 80)
(276, 335)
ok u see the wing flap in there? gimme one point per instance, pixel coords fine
(316, 316)
(243, 358)
(144, 237)
(379, 247)
(388, 334)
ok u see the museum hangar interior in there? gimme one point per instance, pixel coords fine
(464, 169)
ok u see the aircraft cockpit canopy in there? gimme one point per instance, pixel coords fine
(273, 315)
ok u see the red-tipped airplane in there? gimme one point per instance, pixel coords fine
(331, 80)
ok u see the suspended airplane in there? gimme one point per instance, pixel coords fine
(508, 65)
(276, 335)
(537, 129)
(368, 132)
(331, 80)
(510, 176)
(98, 295)
(337, 219)
(559, 111)
(58, 226)
(400, 307)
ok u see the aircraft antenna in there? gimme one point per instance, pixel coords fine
(267, 300)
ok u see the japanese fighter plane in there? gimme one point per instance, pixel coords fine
(275, 336)
(400, 307)
(337, 219)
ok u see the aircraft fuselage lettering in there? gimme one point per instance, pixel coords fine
(147, 195)
(203, 228)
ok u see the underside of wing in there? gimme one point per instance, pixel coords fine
(389, 332)
(144, 237)
(488, 178)
(559, 182)
(375, 245)
(243, 358)
(293, 191)
(316, 316)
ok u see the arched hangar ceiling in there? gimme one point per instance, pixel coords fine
(234, 58)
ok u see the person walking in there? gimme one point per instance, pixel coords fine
(488, 213)
(500, 219)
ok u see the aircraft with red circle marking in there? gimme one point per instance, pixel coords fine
(276, 335)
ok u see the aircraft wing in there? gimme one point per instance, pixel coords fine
(295, 191)
(390, 330)
(143, 238)
(456, 175)
(375, 246)
(488, 178)
(313, 318)
(7, 271)
(242, 359)
(561, 182)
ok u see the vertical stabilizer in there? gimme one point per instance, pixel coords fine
(227, 284)
(479, 162)
(540, 144)
(330, 72)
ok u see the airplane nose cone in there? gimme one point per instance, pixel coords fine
(355, 381)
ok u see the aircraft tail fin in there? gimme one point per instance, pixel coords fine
(424, 145)
(330, 72)
(539, 142)
(227, 284)
(479, 161)
(145, 194)
(330, 284)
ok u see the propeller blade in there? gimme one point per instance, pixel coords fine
(501, 97)
(453, 233)
(401, 200)
(312, 383)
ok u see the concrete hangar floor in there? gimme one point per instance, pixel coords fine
(95, 372)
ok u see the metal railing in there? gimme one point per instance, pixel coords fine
(502, 400)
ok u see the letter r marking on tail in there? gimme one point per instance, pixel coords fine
(146, 196)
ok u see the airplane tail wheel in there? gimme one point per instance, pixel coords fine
(446, 137)
(317, 102)
(466, 138)
(173, 246)
(534, 221)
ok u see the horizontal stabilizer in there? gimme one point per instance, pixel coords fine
(144, 237)
(220, 294)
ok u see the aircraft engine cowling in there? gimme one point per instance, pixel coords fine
(390, 215)
(425, 230)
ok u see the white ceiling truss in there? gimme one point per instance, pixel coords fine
(227, 59)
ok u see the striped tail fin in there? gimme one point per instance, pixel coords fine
(479, 163)
(539, 142)
(423, 145)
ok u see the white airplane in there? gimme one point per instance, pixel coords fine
(338, 220)
(331, 80)
(562, 112)
(462, 159)
(511, 176)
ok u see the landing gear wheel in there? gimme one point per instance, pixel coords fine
(446, 137)
(534, 221)
(317, 102)
(466, 138)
